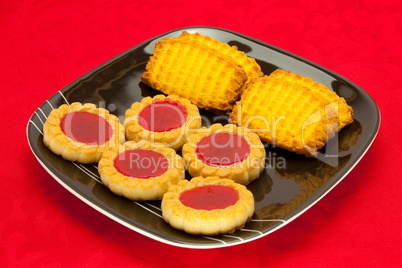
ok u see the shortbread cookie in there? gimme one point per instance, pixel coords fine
(225, 151)
(207, 206)
(249, 64)
(196, 72)
(286, 114)
(166, 120)
(344, 111)
(140, 172)
(82, 133)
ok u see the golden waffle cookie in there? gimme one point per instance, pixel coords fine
(286, 114)
(249, 65)
(345, 112)
(194, 71)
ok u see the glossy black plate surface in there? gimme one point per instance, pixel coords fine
(290, 183)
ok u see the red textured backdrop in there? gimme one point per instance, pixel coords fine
(47, 44)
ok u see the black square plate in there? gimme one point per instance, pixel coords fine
(289, 185)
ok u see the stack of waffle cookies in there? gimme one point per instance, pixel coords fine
(209, 73)
(286, 109)
(291, 111)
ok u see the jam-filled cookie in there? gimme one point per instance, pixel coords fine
(207, 206)
(162, 119)
(82, 132)
(225, 151)
(140, 171)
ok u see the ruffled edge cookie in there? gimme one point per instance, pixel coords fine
(57, 141)
(140, 189)
(243, 172)
(174, 138)
(207, 222)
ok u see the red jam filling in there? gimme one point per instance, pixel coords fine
(209, 197)
(141, 163)
(163, 115)
(86, 127)
(222, 149)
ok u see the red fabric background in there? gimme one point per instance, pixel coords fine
(47, 44)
